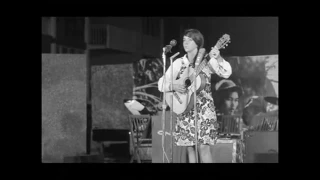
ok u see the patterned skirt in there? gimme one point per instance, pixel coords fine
(207, 122)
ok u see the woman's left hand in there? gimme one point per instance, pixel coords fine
(214, 53)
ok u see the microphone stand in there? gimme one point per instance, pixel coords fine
(171, 110)
(164, 106)
(167, 49)
(198, 60)
(195, 109)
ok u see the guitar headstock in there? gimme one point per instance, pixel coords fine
(223, 41)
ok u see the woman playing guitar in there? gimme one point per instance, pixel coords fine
(207, 121)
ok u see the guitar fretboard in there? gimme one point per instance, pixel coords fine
(201, 66)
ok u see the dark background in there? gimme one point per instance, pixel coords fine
(250, 36)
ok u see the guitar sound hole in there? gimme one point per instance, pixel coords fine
(187, 83)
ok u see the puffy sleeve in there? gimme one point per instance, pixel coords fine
(222, 68)
(176, 65)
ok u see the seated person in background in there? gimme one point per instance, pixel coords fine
(272, 105)
(253, 107)
(227, 97)
(259, 106)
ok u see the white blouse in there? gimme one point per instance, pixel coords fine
(222, 69)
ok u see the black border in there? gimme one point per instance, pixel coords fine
(155, 170)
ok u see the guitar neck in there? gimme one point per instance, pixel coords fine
(204, 62)
(201, 66)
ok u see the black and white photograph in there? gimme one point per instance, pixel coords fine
(134, 89)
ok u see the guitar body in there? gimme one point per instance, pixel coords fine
(181, 103)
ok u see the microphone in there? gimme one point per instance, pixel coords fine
(172, 43)
(200, 56)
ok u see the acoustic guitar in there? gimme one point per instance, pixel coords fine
(183, 102)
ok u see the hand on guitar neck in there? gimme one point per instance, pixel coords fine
(215, 53)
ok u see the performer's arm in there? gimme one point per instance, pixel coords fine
(218, 65)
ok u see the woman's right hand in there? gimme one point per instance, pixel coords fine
(179, 88)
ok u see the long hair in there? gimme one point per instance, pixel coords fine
(197, 37)
(220, 97)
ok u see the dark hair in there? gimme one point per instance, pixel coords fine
(221, 96)
(196, 36)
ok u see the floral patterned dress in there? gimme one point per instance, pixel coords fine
(207, 119)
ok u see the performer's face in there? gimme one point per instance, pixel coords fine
(188, 44)
(231, 103)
